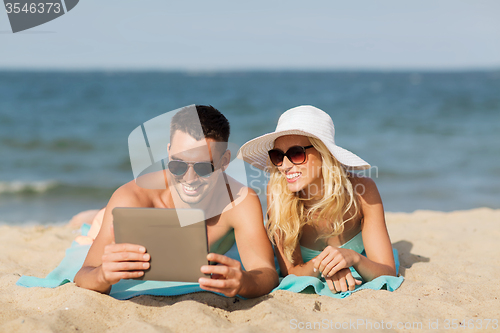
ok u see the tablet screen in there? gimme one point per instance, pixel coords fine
(177, 253)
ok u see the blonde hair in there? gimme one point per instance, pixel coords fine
(288, 214)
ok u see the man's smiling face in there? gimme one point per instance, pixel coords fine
(191, 187)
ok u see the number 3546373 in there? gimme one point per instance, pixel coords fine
(32, 8)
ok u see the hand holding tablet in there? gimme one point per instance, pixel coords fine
(124, 261)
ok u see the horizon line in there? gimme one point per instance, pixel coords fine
(255, 69)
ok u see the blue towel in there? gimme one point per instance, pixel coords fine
(125, 289)
(310, 284)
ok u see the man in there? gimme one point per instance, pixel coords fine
(197, 162)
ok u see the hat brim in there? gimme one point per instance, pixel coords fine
(255, 151)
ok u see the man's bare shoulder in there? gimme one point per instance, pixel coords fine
(245, 205)
(242, 194)
(131, 195)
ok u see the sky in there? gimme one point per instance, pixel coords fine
(268, 35)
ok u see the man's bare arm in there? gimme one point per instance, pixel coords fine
(255, 251)
(107, 262)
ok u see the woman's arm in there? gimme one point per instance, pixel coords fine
(379, 259)
(298, 267)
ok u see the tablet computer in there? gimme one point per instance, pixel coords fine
(177, 252)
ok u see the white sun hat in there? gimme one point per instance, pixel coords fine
(304, 120)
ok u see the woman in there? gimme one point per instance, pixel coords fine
(322, 218)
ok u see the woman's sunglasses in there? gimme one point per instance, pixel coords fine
(202, 169)
(296, 155)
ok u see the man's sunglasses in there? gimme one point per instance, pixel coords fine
(202, 169)
(296, 155)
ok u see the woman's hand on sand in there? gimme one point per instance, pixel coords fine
(342, 281)
(226, 277)
(332, 259)
(123, 261)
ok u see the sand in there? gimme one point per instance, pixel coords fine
(450, 262)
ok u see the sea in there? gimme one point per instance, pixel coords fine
(432, 138)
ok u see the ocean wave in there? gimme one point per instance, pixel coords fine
(53, 188)
(35, 223)
(27, 187)
(56, 145)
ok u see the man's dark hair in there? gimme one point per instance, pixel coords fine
(213, 123)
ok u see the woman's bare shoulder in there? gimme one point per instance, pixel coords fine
(362, 185)
(368, 195)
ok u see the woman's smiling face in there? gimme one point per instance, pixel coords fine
(305, 178)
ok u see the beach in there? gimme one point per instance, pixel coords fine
(88, 95)
(450, 262)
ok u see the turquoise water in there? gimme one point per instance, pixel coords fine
(433, 138)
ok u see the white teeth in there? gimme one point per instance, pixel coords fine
(190, 188)
(293, 175)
